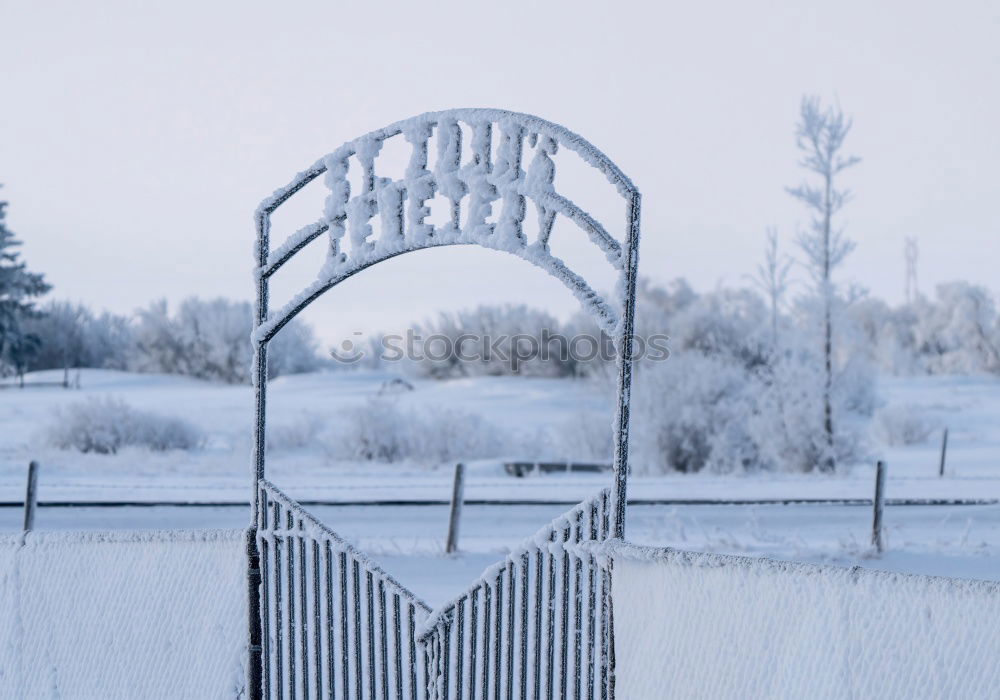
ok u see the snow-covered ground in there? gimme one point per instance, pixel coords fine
(950, 540)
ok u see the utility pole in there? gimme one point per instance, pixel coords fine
(911, 253)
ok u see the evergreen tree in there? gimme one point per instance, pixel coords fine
(18, 289)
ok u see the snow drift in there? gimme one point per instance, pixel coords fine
(123, 614)
(704, 625)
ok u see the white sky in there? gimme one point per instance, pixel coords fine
(136, 139)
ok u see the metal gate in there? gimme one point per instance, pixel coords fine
(334, 624)
(326, 622)
(536, 625)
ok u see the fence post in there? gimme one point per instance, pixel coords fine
(455, 517)
(944, 451)
(31, 496)
(877, 540)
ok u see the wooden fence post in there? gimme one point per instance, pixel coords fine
(31, 496)
(944, 451)
(455, 517)
(877, 539)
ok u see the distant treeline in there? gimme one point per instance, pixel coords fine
(207, 339)
(743, 387)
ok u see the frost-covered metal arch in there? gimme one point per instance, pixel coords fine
(521, 170)
(473, 186)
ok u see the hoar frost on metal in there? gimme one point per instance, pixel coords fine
(474, 190)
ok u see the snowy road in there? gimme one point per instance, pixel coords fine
(961, 541)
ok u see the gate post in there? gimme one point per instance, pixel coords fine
(619, 494)
(258, 375)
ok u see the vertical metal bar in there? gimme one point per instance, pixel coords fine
(487, 613)
(383, 640)
(459, 646)
(577, 610)
(619, 496)
(265, 632)
(525, 604)
(317, 621)
(345, 660)
(444, 657)
(264, 601)
(593, 659)
(611, 637)
(279, 619)
(255, 668)
(290, 551)
(551, 619)
(263, 223)
(356, 575)
(398, 650)
(509, 654)
(31, 497)
(397, 626)
(605, 633)
(605, 515)
(331, 680)
(413, 655)
(498, 643)
(537, 606)
(370, 609)
(473, 635)
(455, 514)
(303, 613)
(564, 617)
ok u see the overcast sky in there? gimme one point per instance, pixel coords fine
(136, 139)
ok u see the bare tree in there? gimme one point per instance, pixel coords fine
(820, 136)
(772, 279)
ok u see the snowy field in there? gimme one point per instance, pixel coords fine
(954, 540)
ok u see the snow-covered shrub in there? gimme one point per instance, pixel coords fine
(691, 413)
(901, 425)
(306, 432)
(382, 431)
(377, 431)
(511, 340)
(587, 436)
(447, 435)
(787, 423)
(105, 425)
(726, 324)
(211, 340)
(960, 332)
(729, 400)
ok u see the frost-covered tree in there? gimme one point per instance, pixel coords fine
(772, 279)
(493, 340)
(960, 331)
(820, 136)
(728, 399)
(210, 339)
(18, 290)
(61, 331)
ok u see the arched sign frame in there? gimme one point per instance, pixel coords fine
(479, 182)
